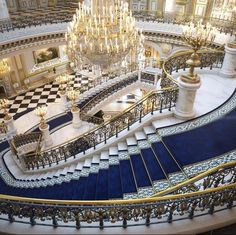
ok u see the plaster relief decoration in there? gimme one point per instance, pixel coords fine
(45, 54)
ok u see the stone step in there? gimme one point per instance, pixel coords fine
(122, 146)
(104, 155)
(131, 141)
(140, 135)
(95, 159)
(113, 151)
(149, 130)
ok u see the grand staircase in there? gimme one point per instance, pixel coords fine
(143, 164)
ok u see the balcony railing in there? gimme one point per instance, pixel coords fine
(154, 101)
(218, 193)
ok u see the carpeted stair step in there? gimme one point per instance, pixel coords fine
(141, 175)
(115, 190)
(165, 159)
(127, 177)
(90, 188)
(154, 168)
(102, 185)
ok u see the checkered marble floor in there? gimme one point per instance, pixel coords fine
(47, 93)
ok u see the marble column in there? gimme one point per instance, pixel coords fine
(184, 109)
(11, 129)
(76, 121)
(63, 100)
(229, 64)
(46, 137)
(4, 14)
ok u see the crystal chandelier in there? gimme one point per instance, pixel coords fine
(197, 36)
(4, 67)
(103, 33)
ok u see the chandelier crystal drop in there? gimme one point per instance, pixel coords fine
(103, 33)
(199, 35)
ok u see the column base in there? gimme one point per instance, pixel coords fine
(76, 122)
(63, 100)
(10, 126)
(227, 75)
(187, 92)
(184, 116)
(46, 137)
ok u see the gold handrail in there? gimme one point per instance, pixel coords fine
(94, 98)
(111, 120)
(181, 53)
(195, 178)
(117, 202)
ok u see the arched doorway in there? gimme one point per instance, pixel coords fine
(152, 55)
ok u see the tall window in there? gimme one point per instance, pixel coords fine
(222, 9)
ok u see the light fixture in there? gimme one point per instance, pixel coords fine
(41, 112)
(196, 36)
(62, 80)
(4, 67)
(4, 103)
(103, 34)
(73, 95)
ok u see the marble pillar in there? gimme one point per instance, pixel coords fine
(46, 137)
(184, 109)
(76, 121)
(11, 129)
(4, 14)
(63, 100)
(139, 74)
(229, 64)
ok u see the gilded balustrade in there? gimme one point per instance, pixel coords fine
(154, 101)
(124, 213)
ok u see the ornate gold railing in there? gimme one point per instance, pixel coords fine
(220, 175)
(154, 101)
(209, 59)
(121, 213)
(223, 25)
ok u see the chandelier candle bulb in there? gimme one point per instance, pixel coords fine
(103, 30)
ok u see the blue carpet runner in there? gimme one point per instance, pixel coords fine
(199, 144)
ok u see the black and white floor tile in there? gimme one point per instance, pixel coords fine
(45, 94)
